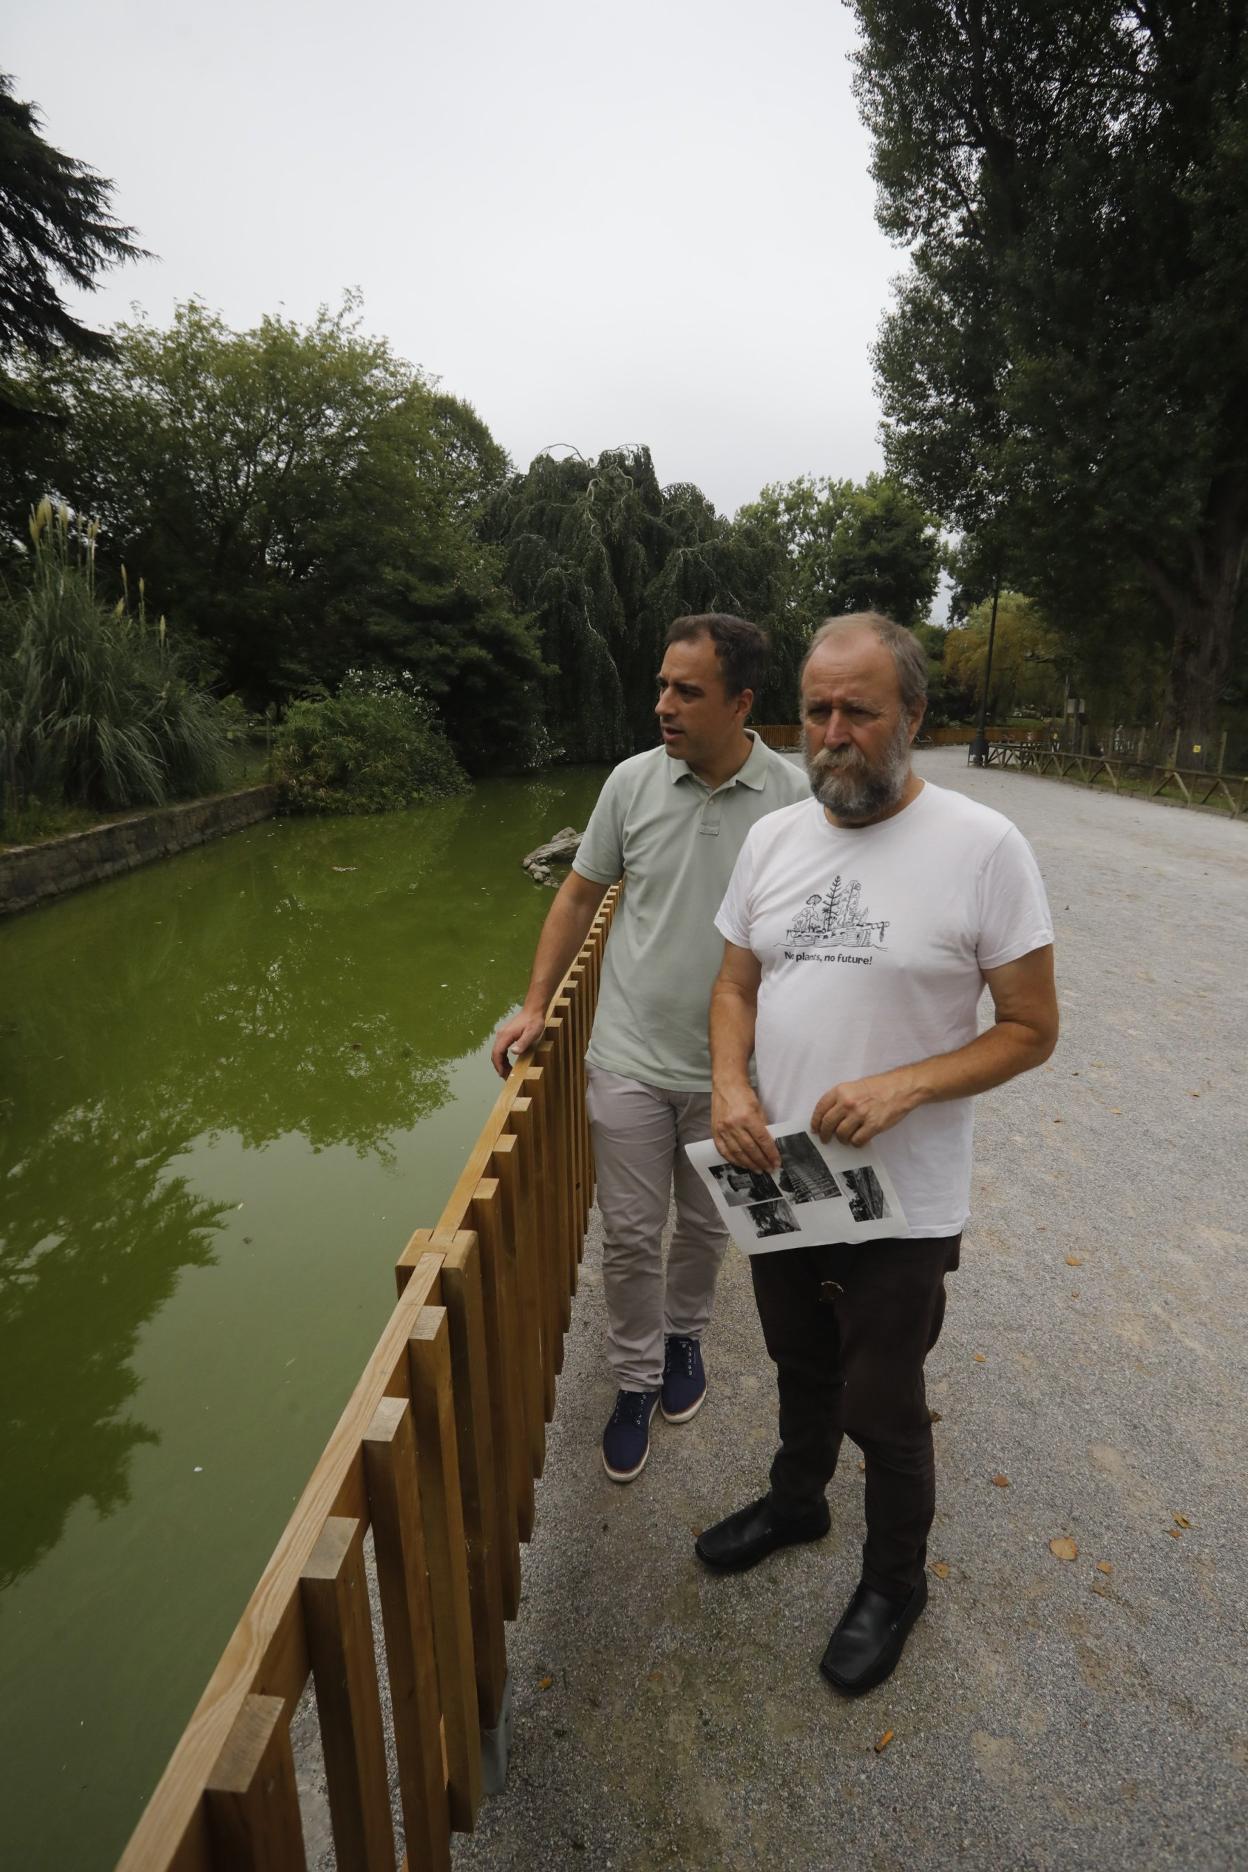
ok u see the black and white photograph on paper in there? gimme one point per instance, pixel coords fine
(740, 1187)
(867, 1201)
(818, 1193)
(773, 1218)
(803, 1175)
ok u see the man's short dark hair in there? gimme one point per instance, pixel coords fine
(740, 646)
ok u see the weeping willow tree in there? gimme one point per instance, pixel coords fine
(604, 558)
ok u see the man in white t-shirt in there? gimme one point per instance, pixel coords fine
(861, 928)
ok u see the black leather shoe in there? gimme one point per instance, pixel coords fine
(745, 1538)
(866, 1645)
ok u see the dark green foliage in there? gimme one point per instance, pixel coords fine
(54, 220)
(95, 709)
(604, 558)
(849, 548)
(375, 747)
(305, 502)
(1065, 376)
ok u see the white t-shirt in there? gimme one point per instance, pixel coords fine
(872, 941)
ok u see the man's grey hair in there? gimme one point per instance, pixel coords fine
(907, 652)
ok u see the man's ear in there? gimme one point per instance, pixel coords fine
(747, 698)
(916, 718)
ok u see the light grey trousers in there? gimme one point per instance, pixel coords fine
(639, 1133)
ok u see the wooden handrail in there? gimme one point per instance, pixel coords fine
(436, 1453)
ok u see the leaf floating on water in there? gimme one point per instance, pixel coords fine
(1000, 1481)
(1063, 1548)
(940, 1568)
(1181, 1520)
(1074, 1261)
(884, 1741)
(1104, 1566)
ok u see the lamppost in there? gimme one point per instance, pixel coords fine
(979, 746)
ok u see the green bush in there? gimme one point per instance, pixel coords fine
(375, 747)
(95, 709)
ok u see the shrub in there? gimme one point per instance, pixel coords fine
(376, 746)
(95, 709)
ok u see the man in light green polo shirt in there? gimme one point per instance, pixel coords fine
(670, 822)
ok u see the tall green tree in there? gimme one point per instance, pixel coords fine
(605, 557)
(1066, 369)
(56, 227)
(849, 547)
(305, 502)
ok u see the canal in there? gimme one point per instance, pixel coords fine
(231, 1085)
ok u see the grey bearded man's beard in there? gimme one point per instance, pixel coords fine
(855, 789)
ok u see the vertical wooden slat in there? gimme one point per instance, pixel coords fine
(251, 1797)
(470, 1392)
(531, 1262)
(548, 1298)
(550, 1056)
(506, 1406)
(340, 1643)
(566, 1125)
(390, 1465)
(506, 1159)
(429, 1351)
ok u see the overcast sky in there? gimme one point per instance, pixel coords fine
(599, 224)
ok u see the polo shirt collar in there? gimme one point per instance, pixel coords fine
(752, 772)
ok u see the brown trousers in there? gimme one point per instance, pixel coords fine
(848, 1328)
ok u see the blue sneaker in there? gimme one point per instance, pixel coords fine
(626, 1439)
(684, 1380)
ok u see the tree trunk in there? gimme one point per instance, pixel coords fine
(1202, 609)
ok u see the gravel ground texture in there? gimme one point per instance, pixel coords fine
(1047, 1713)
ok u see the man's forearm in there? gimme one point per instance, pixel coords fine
(998, 1054)
(567, 925)
(732, 1036)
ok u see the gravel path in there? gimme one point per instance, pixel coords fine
(1046, 1714)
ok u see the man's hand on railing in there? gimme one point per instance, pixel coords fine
(520, 1032)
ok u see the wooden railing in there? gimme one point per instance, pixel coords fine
(1139, 779)
(783, 735)
(436, 1453)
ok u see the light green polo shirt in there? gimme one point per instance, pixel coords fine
(675, 843)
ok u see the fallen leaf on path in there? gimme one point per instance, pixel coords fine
(544, 1683)
(1181, 1520)
(1063, 1548)
(883, 1742)
(940, 1568)
(1175, 1533)
(934, 1416)
(1057, 1121)
(1000, 1481)
(980, 1359)
(1194, 1095)
(1101, 1590)
(654, 1677)
(1074, 1261)
(862, 1468)
(1104, 1566)
(1115, 1111)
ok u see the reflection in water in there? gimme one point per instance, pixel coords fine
(64, 1376)
(277, 1017)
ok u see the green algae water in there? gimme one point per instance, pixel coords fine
(231, 1085)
